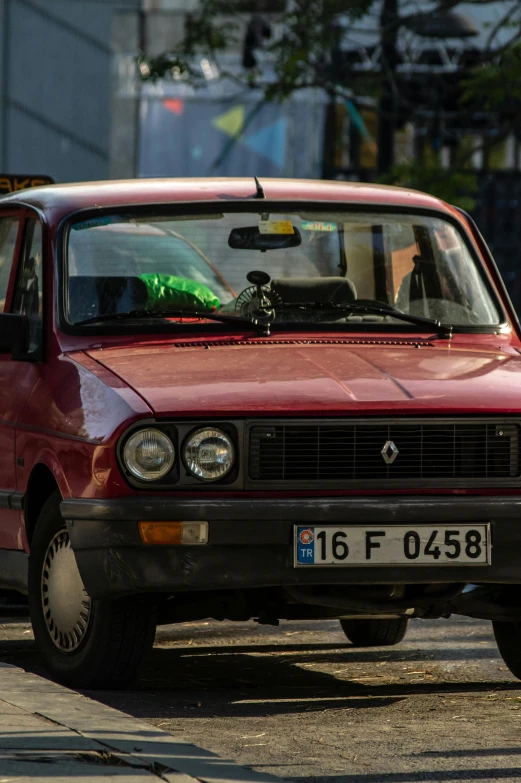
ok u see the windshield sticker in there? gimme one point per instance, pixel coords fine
(96, 222)
(276, 227)
(316, 225)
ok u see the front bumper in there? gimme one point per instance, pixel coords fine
(251, 541)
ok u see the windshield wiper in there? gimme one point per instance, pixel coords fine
(444, 330)
(189, 314)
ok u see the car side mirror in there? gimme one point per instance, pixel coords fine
(14, 334)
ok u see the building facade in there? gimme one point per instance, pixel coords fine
(56, 86)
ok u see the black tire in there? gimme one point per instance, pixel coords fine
(508, 640)
(375, 632)
(111, 638)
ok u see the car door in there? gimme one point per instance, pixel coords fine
(10, 239)
(20, 292)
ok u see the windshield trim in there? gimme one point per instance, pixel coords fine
(248, 205)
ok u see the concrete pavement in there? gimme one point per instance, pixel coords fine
(48, 733)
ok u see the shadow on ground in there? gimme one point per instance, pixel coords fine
(187, 673)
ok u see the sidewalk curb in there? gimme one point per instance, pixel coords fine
(83, 726)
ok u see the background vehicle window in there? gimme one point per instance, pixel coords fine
(8, 234)
(28, 291)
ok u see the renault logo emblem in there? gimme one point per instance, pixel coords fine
(389, 452)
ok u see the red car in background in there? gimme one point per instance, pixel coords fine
(252, 399)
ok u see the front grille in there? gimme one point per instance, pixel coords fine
(347, 453)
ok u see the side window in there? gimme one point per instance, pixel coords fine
(28, 291)
(8, 234)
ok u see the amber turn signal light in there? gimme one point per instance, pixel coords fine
(173, 533)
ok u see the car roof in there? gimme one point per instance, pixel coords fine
(60, 200)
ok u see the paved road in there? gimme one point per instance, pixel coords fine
(299, 702)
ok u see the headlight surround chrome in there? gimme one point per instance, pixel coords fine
(149, 454)
(209, 453)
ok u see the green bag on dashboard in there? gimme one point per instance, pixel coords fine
(171, 291)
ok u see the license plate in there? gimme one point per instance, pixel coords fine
(407, 545)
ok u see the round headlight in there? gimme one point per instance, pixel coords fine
(209, 454)
(149, 454)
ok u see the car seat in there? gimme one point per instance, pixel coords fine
(92, 296)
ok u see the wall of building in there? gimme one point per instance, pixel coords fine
(125, 105)
(56, 86)
(168, 129)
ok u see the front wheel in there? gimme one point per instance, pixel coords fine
(508, 639)
(85, 643)
(375, 632)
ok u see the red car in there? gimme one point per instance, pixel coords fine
(253, 399)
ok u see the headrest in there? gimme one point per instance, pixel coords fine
(294, 290)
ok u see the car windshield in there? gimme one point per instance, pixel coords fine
(319, 267)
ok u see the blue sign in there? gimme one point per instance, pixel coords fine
(305, 545)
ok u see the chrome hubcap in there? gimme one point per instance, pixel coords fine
(66, 605)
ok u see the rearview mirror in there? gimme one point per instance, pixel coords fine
(14, 334)
(250, 238)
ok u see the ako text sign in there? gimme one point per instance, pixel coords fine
(11, 183)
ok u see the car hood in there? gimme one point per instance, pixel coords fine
(268, 378)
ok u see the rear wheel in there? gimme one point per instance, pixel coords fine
(85, 643)
(375, 632)
(508, 639)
